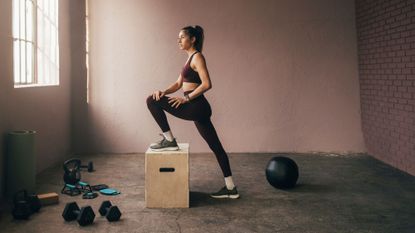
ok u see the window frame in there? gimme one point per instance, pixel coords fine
(35, 45)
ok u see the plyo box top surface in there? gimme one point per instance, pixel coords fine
(183, 149)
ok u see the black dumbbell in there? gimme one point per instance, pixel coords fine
(90, 166)
(112, 213)
(85, 216)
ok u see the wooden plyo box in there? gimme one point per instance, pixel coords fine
(167, 178)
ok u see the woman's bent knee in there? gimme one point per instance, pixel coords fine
(150, 100)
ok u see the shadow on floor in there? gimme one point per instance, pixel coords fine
(311, 188)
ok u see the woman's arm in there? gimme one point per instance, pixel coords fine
(201, 68)
(175, 86)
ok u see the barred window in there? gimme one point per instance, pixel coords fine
(35, 43)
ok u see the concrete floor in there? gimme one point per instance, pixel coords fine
(335, 193)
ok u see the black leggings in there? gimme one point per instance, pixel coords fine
(197, 110)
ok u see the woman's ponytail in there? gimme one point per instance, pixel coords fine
(199, 39)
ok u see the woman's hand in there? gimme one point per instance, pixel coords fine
(177, 101)
(158, 94)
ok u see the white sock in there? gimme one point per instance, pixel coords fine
(168, 135)
(229, 182)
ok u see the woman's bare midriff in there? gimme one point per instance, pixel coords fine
(188, 86)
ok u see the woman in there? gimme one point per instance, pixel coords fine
(195, 80)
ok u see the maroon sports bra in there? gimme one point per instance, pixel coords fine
(188, 74)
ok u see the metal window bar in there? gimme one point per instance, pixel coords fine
(25, 43)
(35, 69)
(18, 36)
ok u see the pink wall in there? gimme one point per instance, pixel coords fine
(284, 74)
(386, 39)
(44, 109)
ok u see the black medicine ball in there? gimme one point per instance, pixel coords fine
(282, 172)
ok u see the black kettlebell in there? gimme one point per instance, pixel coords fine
(25, 205)
(72, 171)
(35, 203)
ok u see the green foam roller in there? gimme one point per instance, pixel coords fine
(21, 167)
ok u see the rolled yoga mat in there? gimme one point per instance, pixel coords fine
(21, 167)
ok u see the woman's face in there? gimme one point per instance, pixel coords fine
(184, 41)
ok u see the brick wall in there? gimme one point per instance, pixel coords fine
(386, 48)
